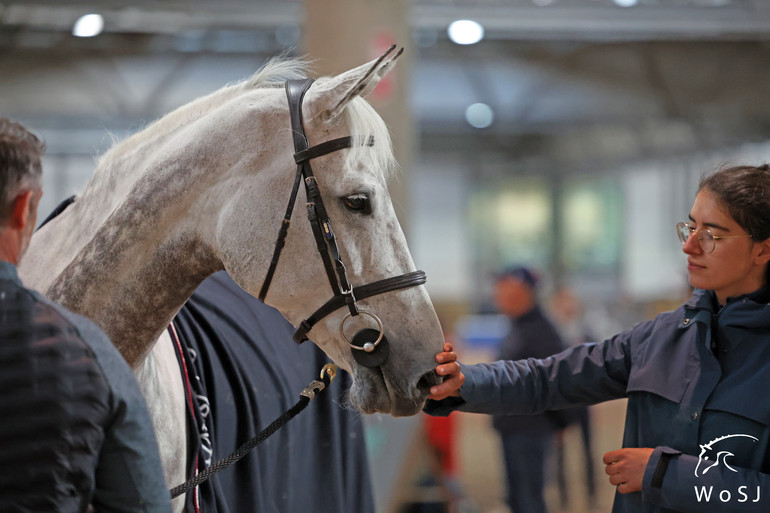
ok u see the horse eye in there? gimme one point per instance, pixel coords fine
(358, 203)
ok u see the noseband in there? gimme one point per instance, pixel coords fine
(369, 347)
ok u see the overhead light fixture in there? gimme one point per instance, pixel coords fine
(479, 115)
(88, 25)
(626, 3)
(465, 32)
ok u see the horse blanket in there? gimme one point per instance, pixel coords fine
(243, 371)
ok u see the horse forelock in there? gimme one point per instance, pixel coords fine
(362, 122)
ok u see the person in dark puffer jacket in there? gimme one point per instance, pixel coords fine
(697, 432)
(75, 434)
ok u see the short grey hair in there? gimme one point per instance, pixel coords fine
(20, 166)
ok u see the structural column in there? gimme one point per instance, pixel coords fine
(343, 34)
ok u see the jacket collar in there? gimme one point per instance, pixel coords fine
(747, 310)
(706, 299)
(8, 272)
(701, 300)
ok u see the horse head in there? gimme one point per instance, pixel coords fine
(205, 188)
(368, 242)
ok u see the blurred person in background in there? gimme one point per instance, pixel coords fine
(75, 429)
(567, 312)
(697, 432)
(526, 440)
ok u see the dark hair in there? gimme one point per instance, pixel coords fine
(523, 274)
(745, 192)
(20, 153)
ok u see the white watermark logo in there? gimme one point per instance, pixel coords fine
(711, 456)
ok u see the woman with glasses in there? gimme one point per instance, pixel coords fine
(697, 433)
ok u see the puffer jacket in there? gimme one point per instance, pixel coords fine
(698, 386)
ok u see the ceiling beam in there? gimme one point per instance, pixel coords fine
(587, 22)
(154, 18)
(602, 23)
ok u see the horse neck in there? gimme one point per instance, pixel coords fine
(116, 176)
(142, 262)
(132, 249)
(129, 252)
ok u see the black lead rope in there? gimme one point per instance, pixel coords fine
(327, 375)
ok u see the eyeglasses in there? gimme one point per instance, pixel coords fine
(707, 240)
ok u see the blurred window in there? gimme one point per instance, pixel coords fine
(592, 219)
(511, 221)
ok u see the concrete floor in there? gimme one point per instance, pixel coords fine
(481, 467)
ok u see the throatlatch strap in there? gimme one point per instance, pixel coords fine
(281, 240)
(295, 91)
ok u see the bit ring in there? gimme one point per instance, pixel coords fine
(369, 346)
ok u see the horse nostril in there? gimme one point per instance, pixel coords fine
(428, 380)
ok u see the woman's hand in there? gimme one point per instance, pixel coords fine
(450, 370)
(626, 467)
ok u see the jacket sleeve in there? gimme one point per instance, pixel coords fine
(129, 475)
(670, 482)
(581, 375)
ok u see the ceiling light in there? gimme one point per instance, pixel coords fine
(89, 25)
(479, 115)
(626, 3)
(465, 32)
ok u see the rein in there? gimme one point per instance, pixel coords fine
(327, 375)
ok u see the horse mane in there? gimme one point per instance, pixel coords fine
(272, 74)
(361, 119)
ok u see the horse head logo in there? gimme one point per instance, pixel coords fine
(710, 456)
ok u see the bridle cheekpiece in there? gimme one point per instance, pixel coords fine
(369, 346)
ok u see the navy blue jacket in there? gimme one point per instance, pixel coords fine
(698, 386)
(74, 427)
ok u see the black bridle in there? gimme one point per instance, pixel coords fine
(366, 351)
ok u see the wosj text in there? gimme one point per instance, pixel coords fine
(707, 494)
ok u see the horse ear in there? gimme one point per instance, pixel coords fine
(329, 98)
